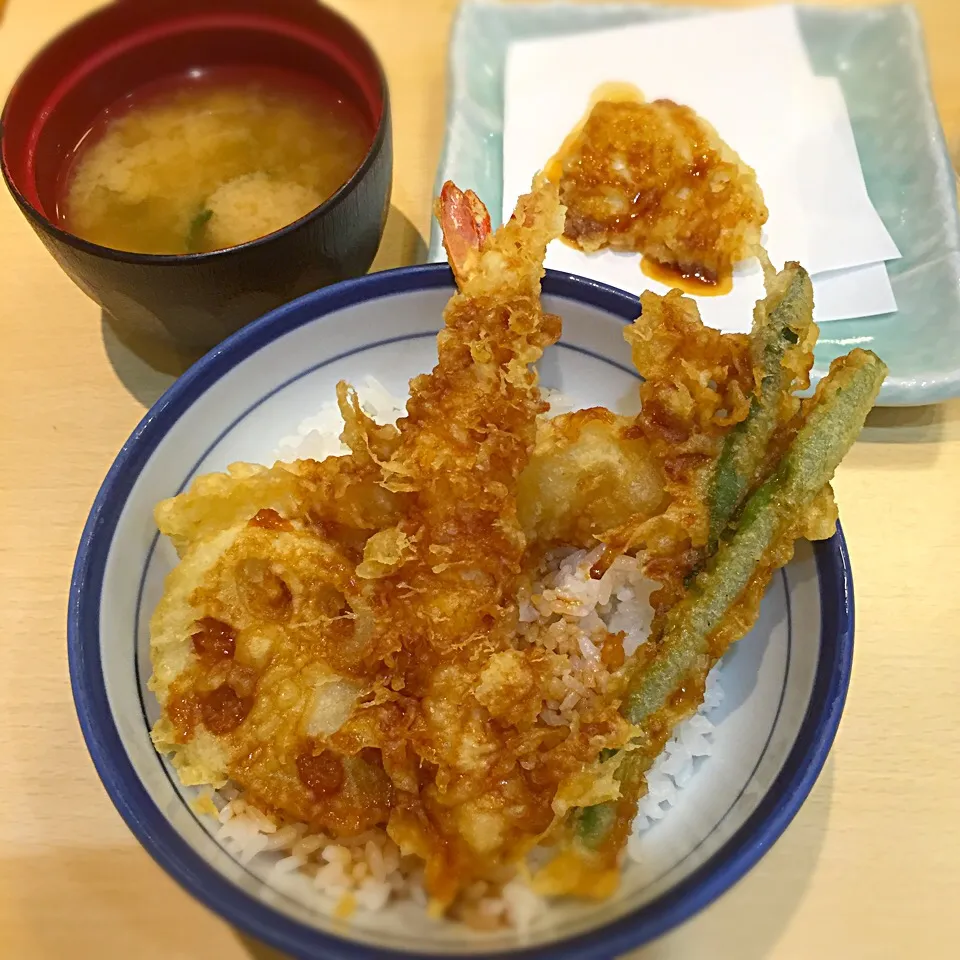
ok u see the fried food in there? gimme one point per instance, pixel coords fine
(590, 472)
(656, 179)
(697, 386)
(338, 635)
(781, 346)
(380, 644)
(722, 603)
(444, 594)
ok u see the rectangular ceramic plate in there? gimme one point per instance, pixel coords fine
(878, 55)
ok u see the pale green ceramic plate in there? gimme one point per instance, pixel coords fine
(878, 55)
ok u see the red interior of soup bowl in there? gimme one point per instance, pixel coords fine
(132, 42)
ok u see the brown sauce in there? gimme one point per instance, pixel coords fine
(611, 653)
(213, 639)
(223, 710)
(612, 91)
(322, 774)
(269, 519)
(693, 283)
(264, 593)
(184, 714)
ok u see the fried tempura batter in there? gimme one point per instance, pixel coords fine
(338, 635)
(350, 642)
(656, 179)
(590, 473)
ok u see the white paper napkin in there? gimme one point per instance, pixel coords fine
(854, 292)
(748, 74)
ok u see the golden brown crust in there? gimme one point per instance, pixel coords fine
(346, 641)
(656, 179)
(372, 602)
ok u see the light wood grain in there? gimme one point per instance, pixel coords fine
(870, 868)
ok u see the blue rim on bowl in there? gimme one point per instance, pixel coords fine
(174, 854)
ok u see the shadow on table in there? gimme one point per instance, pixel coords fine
(745, 923)
(146, 369)
(402, 244)
(258, 950)
(929, 424)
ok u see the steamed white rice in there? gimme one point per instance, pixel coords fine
(563, 613)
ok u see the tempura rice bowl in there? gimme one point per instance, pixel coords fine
(782, 686)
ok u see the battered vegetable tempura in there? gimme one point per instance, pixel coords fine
(339, 639)
(656, 179)
(356, 644)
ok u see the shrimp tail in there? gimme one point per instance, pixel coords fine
(465, 225)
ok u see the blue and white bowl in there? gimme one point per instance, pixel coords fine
(784, 684)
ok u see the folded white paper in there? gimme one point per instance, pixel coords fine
(855, 292)
(747, 73)
(843, 227)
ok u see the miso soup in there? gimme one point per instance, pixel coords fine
(210, 160)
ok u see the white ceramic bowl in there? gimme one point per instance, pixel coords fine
(784, 683)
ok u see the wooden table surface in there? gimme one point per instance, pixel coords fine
(870, 867)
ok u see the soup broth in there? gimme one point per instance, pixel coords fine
(210, 160)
